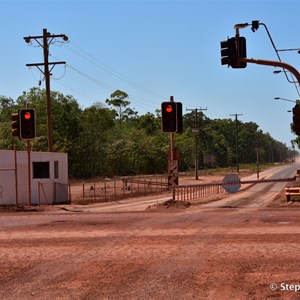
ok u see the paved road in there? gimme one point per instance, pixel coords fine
(259, 195)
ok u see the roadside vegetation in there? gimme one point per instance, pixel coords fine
(110, 138)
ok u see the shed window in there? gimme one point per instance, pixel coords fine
(56, 174)
(41, 169)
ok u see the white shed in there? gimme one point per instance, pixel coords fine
(48, 177)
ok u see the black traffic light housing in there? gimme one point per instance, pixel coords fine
(27, 123)
(296, 119)
(171, 117)
(232, 51)
(15, 124)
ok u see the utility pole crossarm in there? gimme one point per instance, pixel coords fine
(38, 65)
(42, 64)
(52, 36)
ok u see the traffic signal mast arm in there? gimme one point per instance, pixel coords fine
(274, 64)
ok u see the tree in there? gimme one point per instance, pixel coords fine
(118, 100)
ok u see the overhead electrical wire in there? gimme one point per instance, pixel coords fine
(95, 61)
(278, 56)
(74, 90)
(105, 86)
(98, 82)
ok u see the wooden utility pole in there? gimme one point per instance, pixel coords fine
(236, 142)
(196, 134)
(47, 38)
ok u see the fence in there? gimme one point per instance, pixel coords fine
(116, 189)
(123, 188)
(52, 193)
(196, 192)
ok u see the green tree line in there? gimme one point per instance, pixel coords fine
(113, 139)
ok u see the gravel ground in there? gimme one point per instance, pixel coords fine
(166, 252)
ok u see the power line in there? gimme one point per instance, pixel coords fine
(278, 56)
(96, 62)
(78, 92)
(98, 82)
(105, 86)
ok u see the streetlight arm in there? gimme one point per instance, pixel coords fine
(279, 98)
(274, 64)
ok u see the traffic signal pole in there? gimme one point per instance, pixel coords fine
(29, 171)
(274, 64)
(172, 148)
(171, 122)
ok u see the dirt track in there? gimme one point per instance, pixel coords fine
(179, 254)
(187, 252)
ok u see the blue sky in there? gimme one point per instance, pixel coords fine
(156, 49)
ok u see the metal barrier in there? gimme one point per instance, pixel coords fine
(198, 191)
(192, 192)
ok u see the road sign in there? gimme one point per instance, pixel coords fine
(172, 180)
(231, 183)
(173, 166)
(172, 172)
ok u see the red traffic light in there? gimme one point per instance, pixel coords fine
(27, 115)
(171, 117)
(169, 108)
(27, 124)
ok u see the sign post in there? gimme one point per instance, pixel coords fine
(172, 173)
(172, 148)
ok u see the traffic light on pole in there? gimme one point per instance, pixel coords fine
(179, 117)
(296, 119)
(171, 117)
(241, 53)
(15, 124)
(168, 117)
(232, 51)
(27, 124)
(228, 52)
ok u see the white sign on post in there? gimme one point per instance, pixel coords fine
(231, 183)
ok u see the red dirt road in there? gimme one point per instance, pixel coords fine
(226, 253)
(218, 250)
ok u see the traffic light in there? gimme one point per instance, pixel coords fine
(15, 124)
(179, 117)
(232, 50)
(27, 123)
(241, 52)
(228, 52)
(171, 117)
(296, 119)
